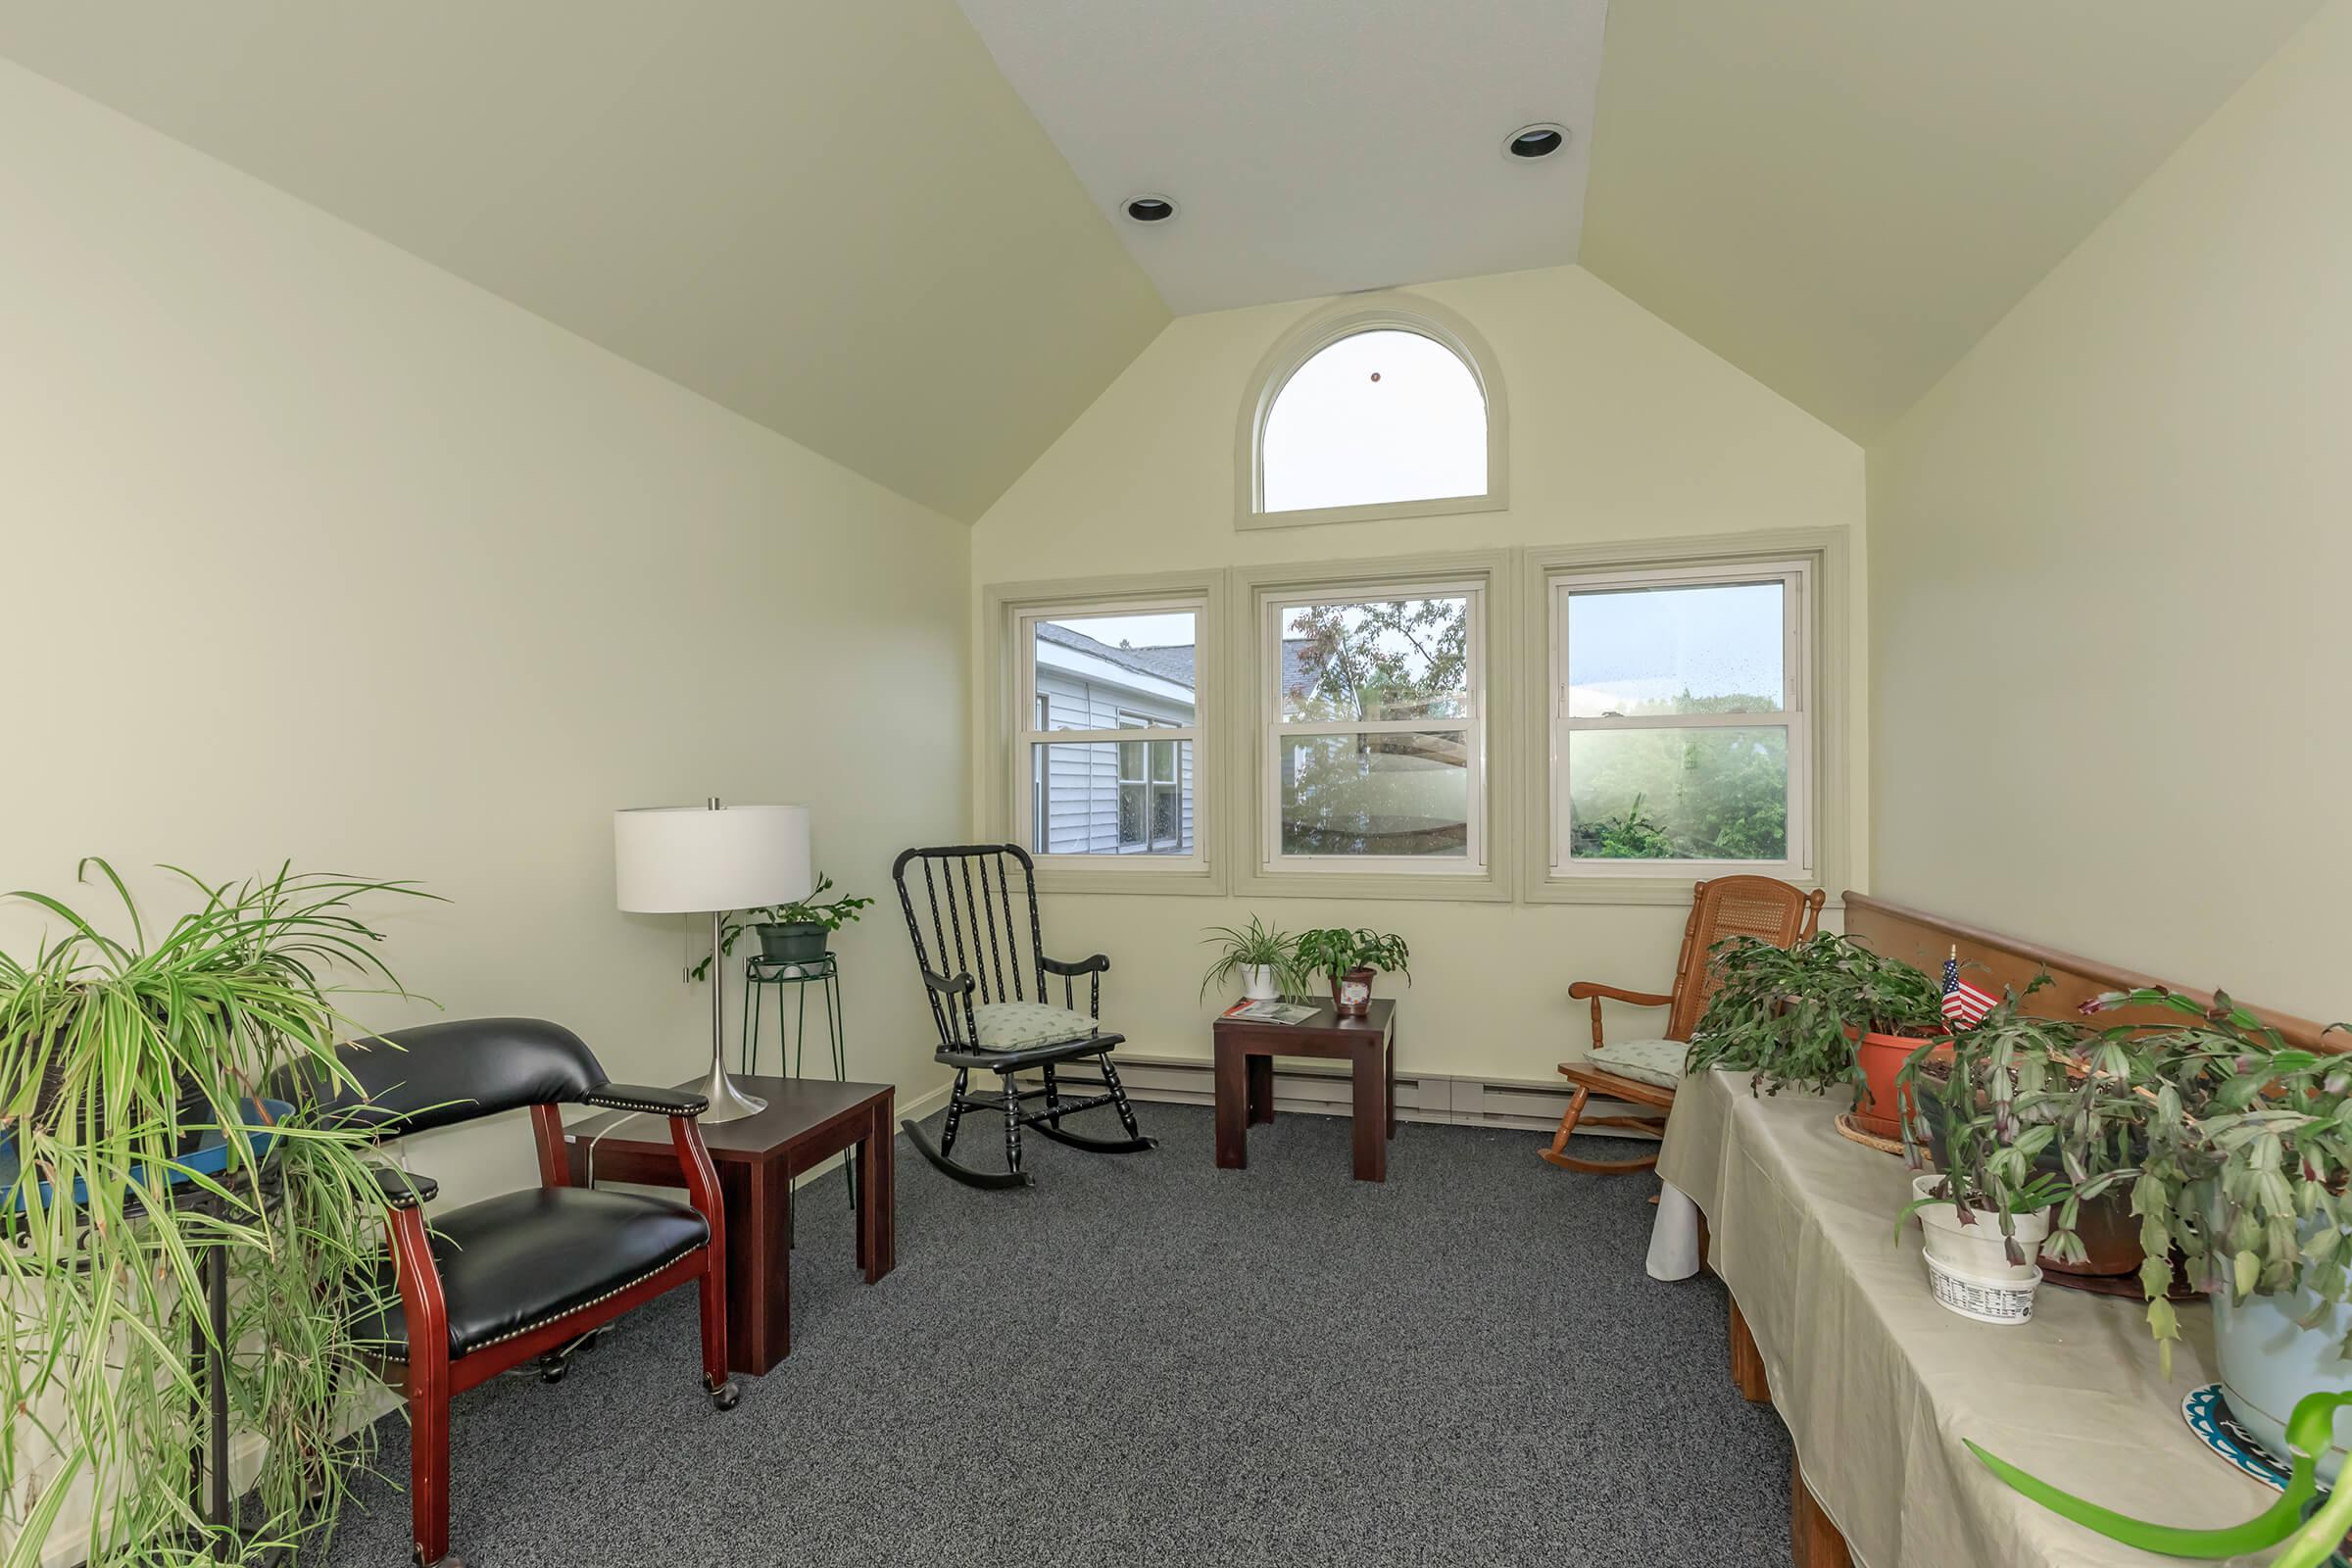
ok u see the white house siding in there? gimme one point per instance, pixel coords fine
(1082, 788)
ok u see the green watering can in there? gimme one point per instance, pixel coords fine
(2308, 1543)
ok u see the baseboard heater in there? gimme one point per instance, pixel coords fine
(1323, 1089)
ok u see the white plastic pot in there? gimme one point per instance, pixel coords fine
(1257, 983)
(1974, 1250)
(2005, 1302)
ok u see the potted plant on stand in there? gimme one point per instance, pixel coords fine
(1268, 961)
(1350, 958)
(136, 1152)
(792, 933)
(1818, 1013)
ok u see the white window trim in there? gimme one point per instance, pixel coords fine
(1830, 783)
(1472, 725)
(1253, 816)
(1004, 717)
(1794, 717)
(1362, 313)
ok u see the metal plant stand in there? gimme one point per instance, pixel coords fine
(759, 975)
(792, 1056)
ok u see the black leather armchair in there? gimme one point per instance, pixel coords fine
(494, 1283)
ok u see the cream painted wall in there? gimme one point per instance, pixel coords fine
(2110, 551)
(316, 551)
(1622, 429)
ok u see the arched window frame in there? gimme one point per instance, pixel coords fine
(1402, 312)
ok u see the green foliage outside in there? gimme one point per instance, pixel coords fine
(1680, 794)
(1380, 794)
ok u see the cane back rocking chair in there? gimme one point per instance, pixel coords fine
(1645, 1073)
(983, 972)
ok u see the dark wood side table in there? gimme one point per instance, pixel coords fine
(806, 1122)
(1245, 1054)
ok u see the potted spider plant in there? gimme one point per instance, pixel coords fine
(1350, 958)
(1819, 1013)
(795, 932)
(1265, 958)
(134, 1143)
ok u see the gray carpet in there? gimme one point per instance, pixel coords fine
(1149, 1360)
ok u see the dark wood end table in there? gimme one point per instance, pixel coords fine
(806, 1122)
(1245, 1052)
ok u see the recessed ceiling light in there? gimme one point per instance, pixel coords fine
(1536, 141)
(1151, 209)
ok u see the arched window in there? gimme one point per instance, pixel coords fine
(1372, 410)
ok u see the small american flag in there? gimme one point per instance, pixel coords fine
(1963, 1002)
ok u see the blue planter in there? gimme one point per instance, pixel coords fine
(2269, 1361)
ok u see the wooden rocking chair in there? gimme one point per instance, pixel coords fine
(989, 1001)
(1647, 1072)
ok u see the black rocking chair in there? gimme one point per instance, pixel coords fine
(989, 1017)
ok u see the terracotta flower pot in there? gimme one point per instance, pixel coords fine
(1351, 993)
(1882, 1057)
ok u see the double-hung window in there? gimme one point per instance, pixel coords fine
(1682, 721)
(1108, 766)
(1372, 699)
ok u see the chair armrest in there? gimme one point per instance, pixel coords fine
(1595, 989)
(640, 1097)
(404, 1189)
(959, 986)
(1099, 964)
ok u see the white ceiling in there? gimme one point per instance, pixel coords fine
(1841, 196)
(844, 219)
(1314, 146)
(835, 219)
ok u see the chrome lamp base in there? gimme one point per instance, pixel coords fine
(727, 1102)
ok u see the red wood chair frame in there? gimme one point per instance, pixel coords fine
(431, 1377)
(1760, 907)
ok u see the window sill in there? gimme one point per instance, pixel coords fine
(1637, 890)
(1249, 520)
(1485, 888)
(1119, 875)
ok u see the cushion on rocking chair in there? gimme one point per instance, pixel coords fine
(1645, 1062)
(1016, 1025)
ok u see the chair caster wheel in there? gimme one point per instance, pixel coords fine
(726, 1396)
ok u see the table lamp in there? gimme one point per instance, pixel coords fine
(711, 860)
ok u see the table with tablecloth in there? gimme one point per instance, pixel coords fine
(1879, 1384)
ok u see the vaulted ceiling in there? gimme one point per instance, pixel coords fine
(1841, 196)
(890, 228)
(836, 218)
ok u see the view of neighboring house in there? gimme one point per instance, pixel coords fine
(1129, 797)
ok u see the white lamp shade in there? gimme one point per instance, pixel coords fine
(691, 859)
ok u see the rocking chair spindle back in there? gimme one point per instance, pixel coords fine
(987, 985)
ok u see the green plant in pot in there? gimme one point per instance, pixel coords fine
(1985, 1213)
(2083, 1085)
(1350, 958)
(2248, 1157)
(1265, 958)
(795, 932)
(135, 1141)
(1821, 1012)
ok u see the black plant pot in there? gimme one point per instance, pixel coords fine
(799, 942)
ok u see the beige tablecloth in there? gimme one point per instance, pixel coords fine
(1878, 1384)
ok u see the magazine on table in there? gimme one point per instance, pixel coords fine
(1271, 1012)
